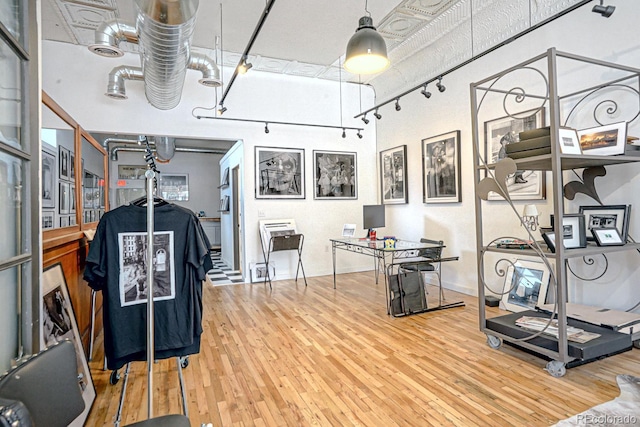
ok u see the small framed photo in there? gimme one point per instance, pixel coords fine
(349, 230)
(525, 286)
(63, 162)
(65, 198)
(64, 221)
(48, 218)
(569, 142)
(393, 173)
(607, 236)
(606, 140)
(607, 216)
(573, 231)
(72, 198)
(49, 179)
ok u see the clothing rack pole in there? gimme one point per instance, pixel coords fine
(150, 175)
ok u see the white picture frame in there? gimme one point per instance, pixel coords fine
(349, 230)
(173, 187)
(525, 286)
(59, 323)
(568, 141)
(608, 140)
(49, 179)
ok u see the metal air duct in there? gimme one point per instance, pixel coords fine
(165, 148)
(108, 37)
(165, 29)
(117, 77)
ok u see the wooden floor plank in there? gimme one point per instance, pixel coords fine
(318, 356)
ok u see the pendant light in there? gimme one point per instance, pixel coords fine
(366, 50)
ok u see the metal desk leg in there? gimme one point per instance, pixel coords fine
(333, 254)
(93, 324)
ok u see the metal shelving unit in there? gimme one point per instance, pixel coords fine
(570, 91)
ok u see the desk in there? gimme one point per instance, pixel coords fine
(403, 249)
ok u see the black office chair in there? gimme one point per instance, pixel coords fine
(430, 262)
(46, 385)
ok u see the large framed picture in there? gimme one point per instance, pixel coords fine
(525, 286)
(608, 216)
(522, 185)
(441, 168)
(334, 175)
(606, 140)
(279, 173)
(49, 179)
(393, 172)
(173, 186)
(59, 323)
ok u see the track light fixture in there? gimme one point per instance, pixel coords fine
(377, 115)
(359, 134)
(344, 133)
(605, 11)
(425, 92)
(244, 67)
(365, 120)
(222, 109)
(398, 107)
(439, 85)
(266, 128)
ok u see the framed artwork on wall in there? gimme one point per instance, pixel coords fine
(173, 186)
(441, 168)
(72, 198)
(393, 170)
(334, 175)
(63, 162)
(65, 198)
(48, 220)
(522, 185)
(49, 179)
(59, 323)
(279, 173)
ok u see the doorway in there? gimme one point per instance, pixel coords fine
(237, 219)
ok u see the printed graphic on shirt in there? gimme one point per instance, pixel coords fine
(133, 267)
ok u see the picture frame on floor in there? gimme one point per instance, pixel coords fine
(59, 323)
(393, 173)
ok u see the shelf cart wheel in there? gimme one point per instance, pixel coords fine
(494, 342)
(184, 362)
(556, 368)
(636, 343)
(114, 377)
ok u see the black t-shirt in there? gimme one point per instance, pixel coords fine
(116, 264)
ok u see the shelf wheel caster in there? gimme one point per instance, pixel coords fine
(184, 362)
(114, 377)
(556, 368)
(494, 342)
(636, 343)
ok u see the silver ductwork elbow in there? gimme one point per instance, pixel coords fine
(117, 77)
(165, 29)
(165, 148)
(109, 35)
(208, 68)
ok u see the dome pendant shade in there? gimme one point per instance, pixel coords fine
(366, 50)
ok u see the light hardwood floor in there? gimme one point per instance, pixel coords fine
(315, 356)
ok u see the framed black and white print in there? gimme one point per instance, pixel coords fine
(72, 198)
(525, 286)
(59, 323)
(441, 168)
(522, 185)
(279, 173)
(49, 179)
(48, 220)
(334, 175)
(393, 170)
(65, 198)
(607, 236)
(63, 162)
(607, 216)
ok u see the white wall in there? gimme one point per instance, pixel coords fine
(581, 32)
(78, 85)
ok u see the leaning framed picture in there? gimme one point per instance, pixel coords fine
(441, 168)
(49, 179)
(607, 216)
(334, 175)
(59, 323)
(279, 173)
(607, 236)
(607, 140)
(525, 286)
(523, 184)
(393, 172)
(568, 141)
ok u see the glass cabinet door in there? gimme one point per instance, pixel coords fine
(93, 182)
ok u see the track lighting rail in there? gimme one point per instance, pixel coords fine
(438, 79)
(267, 123)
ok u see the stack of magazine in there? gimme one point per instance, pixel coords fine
(538, 323)
(533, 142)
